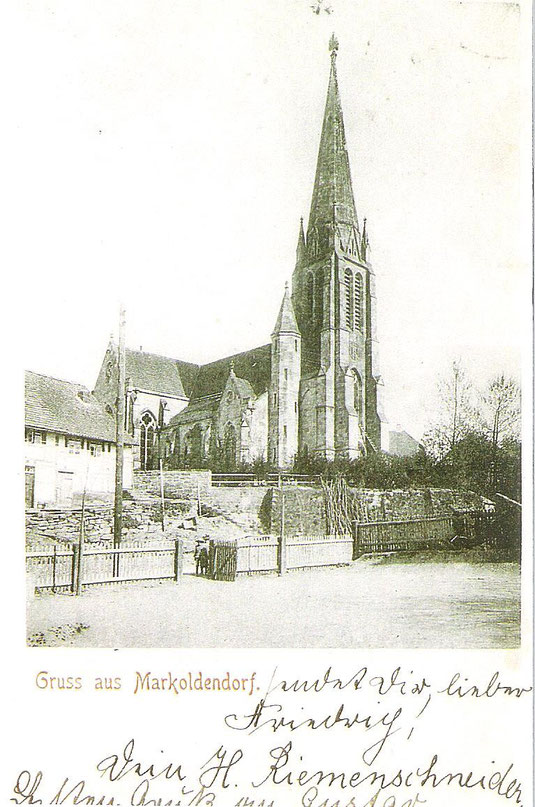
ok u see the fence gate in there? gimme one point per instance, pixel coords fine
(223, 560)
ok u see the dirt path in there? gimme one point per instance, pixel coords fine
(431, 605)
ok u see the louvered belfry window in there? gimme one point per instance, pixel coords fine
(310, 293)
(348, 280)
(358, 302)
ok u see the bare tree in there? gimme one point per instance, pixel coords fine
(500, 415)
(457, 413)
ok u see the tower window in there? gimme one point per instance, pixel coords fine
(274, 399)
(348, 281)
(357, 394)
(286, 374)
(295, 344)
(310, 293)
(358, 302)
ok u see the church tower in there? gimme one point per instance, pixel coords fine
(283, 418)
(333, 293)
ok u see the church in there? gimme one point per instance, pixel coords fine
(314, 389)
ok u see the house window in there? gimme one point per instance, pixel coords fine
(358, 302)
(95, 449)
(348, 281)
(57, 439)
(74, 446)
(33, 436)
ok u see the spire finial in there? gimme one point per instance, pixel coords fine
(232, 365)
(333, 46)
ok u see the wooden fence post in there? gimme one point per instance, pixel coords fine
(74, 568)
(356, 541)
(178, 560)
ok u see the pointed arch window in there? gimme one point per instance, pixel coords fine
(348, 281)
(310, 294)
(357, 394)
(358, 302)
(319, 297)
(147, 441)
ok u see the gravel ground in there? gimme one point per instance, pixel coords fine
(369, 604)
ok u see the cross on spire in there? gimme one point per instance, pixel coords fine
(333, 46)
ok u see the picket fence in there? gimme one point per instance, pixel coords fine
(61, 566)
(262, 553)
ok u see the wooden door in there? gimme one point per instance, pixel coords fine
(29, 489)
(64, 484)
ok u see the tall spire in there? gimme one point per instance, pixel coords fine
(332, 198)
(286, 321)
(301, 245)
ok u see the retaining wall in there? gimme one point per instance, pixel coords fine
(177, 484)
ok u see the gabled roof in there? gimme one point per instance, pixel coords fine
(160, 374)
(61, 406)
(244, 388)
(254, 366)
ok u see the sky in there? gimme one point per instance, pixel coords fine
(159, 156)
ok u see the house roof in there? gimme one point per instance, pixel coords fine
(61, 406)
(160, 374)
(253, 366)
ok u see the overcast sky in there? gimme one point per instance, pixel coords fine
(162, 154)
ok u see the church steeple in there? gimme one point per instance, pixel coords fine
(332, 199)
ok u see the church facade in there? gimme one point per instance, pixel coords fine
(314, 388)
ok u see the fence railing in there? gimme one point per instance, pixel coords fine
(65, 567)
(417, 533)
(270, 480)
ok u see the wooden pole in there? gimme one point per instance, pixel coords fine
(162, 495)
(81, 536)
(54, 560)
(119, 446)
(282, 541)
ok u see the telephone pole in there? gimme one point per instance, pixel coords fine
(119, 444)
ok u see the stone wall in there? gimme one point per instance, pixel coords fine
(390, 505)
(140, 518)
(304, 508)
(177, 484)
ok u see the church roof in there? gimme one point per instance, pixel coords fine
(160, 374)
(197, 410)
(332, 196)
(61, 406)
(286, 321)
(254, 366)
